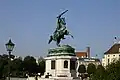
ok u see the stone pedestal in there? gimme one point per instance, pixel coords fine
(61, 63)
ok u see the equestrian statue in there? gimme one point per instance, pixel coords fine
(60, 31)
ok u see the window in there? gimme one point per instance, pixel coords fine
(108, 55)
(108, 61)
(53, 64)
(65, 64)
(113, 55)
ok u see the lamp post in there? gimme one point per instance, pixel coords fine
(9, 47)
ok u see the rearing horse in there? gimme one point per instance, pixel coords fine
(60, 31)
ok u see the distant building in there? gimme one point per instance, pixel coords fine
(83, 54)
(84, 58)
(112, 54)
(86, 61)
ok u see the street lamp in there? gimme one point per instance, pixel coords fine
(9, 47)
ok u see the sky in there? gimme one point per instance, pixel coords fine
(29, 23)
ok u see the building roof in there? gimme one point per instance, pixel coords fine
(114, 49)
(81, 54)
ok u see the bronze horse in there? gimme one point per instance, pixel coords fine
(60, 31)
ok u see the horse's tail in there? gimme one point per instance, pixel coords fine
(71, 35)
(51, 38)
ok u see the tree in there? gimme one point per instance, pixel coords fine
(91, 68)
(30, 65)
(17, 67)
(100, 73)
(113, 71)
(82, 70)
(3, 65)
(41, 65)
(12, 56)
(40, 59)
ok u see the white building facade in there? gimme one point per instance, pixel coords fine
(87, 61)
(112, 55)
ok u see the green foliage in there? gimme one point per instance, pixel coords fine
(82, 69)
(91, 68)
(41, 67)
(30, 65)
(12, 56)
(100, 73)
(19, 67)
(3, 65)
(112, 72)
